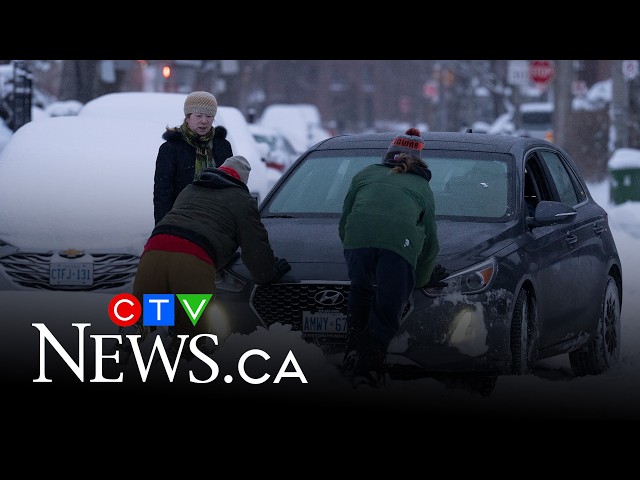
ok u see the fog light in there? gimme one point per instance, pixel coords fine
(469, 334)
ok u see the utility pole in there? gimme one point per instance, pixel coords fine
(619, 109)
(562, 100)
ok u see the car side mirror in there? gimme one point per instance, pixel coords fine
(551, 213)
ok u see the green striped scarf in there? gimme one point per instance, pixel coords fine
(203, 145)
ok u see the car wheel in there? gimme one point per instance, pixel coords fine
(604, 348)
(522, 326)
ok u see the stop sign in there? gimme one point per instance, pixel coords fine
(541, 71)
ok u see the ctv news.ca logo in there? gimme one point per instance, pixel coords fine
(157, 311)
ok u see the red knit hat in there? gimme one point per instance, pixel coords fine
(411, 143)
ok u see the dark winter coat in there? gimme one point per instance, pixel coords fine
(176, 166)
(218, 213)
(393, 211)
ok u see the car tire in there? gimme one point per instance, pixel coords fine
(603, 351)
(522, 326)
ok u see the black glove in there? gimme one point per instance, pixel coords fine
(439, 273)
(282, 267)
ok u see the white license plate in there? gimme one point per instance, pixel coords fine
(71, 274)
(324, 322)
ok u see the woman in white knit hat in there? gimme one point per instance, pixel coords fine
(188, 150)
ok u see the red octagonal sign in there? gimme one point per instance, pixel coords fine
(541, 71)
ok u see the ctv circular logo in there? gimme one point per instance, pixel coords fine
(124, 309)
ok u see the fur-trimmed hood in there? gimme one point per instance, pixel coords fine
(172, 134)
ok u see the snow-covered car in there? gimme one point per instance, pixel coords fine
(299, 122)
(279, 153)
(534, 269)
(76, 203)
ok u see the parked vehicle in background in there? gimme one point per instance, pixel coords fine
(300, 123)
(279, 152)
(534, 269)
(536, 120)
(167, 109)
(77, 203)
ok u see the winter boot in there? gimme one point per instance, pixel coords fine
(370, 364)
(351, 352)
(357, 326)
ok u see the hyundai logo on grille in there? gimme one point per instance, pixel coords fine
(329, 297)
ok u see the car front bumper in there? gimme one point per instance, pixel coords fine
(443, 334)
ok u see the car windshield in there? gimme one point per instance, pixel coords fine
(471, 186)
(465, 184)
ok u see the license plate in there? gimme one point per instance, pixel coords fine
(324, 322)
(71, 274)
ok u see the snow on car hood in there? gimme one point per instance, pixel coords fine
(86, 183)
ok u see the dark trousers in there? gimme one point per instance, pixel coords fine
(381, 283)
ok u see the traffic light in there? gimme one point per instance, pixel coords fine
(166, 71)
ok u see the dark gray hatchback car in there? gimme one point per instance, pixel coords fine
(534, 269)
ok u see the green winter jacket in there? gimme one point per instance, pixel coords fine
(395, 211)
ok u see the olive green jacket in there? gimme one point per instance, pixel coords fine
(218, 213)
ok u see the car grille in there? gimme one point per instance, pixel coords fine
(110, 271)
(286, 302)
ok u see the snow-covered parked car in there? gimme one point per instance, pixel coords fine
(76, 196)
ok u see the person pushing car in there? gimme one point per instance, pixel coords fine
(210, 219)
(389, 235)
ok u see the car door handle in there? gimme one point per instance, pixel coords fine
(598, 229)
(571, 239)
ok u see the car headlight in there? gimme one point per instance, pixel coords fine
(475, 279)
(228, 282)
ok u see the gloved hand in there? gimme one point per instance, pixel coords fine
(282, 266)
(439, 273)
